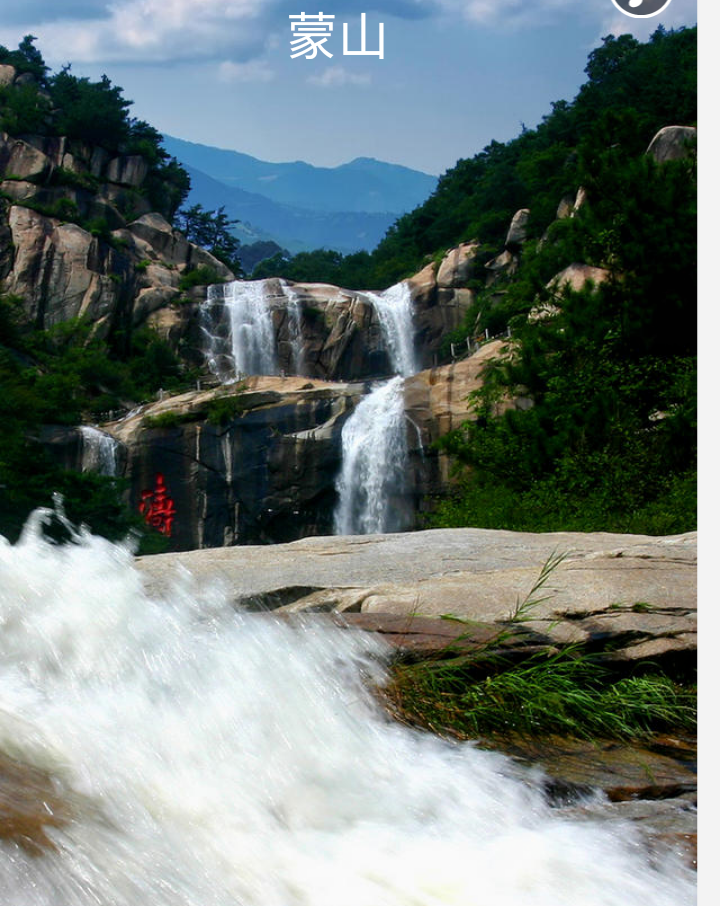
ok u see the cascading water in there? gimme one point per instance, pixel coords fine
(204, 756)
(240, 336)
(395, 312)
(372, 484)
(294, 327)
(99, 451)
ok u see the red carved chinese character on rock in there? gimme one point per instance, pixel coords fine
(157, 507)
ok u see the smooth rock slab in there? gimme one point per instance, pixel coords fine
(633, 593)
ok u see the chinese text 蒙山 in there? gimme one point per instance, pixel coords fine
(312, 30)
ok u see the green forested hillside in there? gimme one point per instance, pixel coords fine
(632, 90)
(62, 104)
(609, 442)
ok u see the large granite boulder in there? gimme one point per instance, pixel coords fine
(456, 268)
(673, 143)
(341, 333)
(127, 170)
(61, 271)
(20, 160)
(576, 275)
(436, 402)
(7, 74)
(153, 236)
(440, 301)
(518, 230)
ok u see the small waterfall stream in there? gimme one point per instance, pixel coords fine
(240, 337)
(373, 481)
(294, 327)
(99, 451)
(395, 313)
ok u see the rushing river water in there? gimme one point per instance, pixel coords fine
(212, 758)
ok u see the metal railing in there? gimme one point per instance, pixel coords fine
(459, 351)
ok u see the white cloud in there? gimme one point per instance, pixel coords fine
(252, 71)
(510, 12)
(335, 76)
(160, 31)
(163, 31)
(156, 31)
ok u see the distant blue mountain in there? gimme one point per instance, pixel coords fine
(295, 229)
(363, 185)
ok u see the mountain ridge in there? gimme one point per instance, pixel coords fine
(362, 185)
(294, 228)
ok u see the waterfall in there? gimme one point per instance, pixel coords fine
(194, 755)
(395, 312)
(294, 328)
(99, 451)
(372, 483)
(240, 337)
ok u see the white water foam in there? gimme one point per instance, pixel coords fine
(222, 759)
(237, 322)
(99, 451)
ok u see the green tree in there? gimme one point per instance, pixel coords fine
(212, 231)
(93, 112)
(26, 59)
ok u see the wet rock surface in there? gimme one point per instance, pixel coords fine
(31, 803)
(662, 768)
(650, 785)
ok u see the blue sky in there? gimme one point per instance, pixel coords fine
(456, 73)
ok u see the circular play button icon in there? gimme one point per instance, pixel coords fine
(641, 9)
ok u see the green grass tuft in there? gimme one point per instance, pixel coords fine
(565, 692)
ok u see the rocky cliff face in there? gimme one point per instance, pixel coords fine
(78, 237)
(257, 462)
(248, 462)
